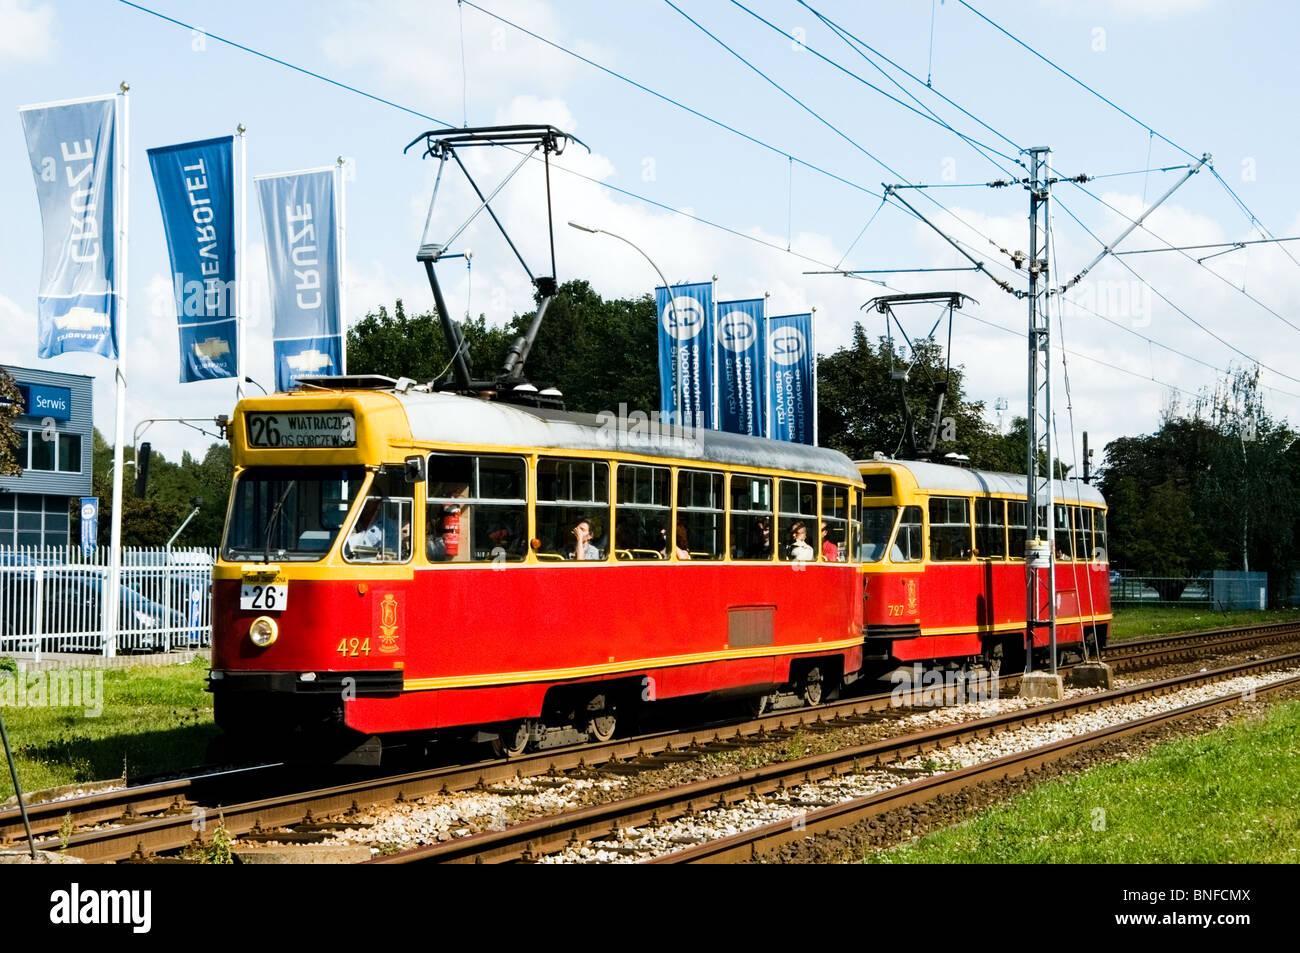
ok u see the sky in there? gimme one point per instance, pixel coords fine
(788, 189)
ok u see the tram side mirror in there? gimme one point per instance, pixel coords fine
(413, 470)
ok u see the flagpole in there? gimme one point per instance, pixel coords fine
(240, 262)
(111, 598)
(812, 344)
(342, 269)
(767, 373)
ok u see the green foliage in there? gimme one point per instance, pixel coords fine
(860, 408)
(10, 408)
(1217, 486)
(598, 353)
(151, 521)
(1227, 797)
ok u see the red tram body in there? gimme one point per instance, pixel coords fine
(943, 560)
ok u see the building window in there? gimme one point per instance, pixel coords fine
(69, 453)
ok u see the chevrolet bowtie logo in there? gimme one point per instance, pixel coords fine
(312, 360)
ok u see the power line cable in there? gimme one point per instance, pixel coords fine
(556, 165)
(1163, 297)
(816, 115)
(755, 140)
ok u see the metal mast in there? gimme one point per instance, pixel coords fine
(1040, 575)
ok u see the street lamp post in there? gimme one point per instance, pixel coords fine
(672, 309)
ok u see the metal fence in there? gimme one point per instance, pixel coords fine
(51, 600)
(1222, 589)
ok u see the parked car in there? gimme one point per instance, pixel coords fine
(72, 613)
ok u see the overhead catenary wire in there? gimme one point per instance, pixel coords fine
(1150, 130)
(737, 233)
(1124, 264)
(812, 112)
(1199, 262)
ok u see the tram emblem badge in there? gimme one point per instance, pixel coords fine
(389, 622)
(913, 600)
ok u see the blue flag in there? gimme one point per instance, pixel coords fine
(791, 368)
(74, 160)
(686, 354)
(299, 216)
(196, 191)
(741, 339)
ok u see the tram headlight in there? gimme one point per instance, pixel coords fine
(263, 631)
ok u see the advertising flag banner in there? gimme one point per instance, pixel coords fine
(89, 524)
(196, 191)
(792, 407)
(741, 336)
(300, 219)
(74, 161)
(686, 354)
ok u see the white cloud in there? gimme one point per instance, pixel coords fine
(415, 47)
(26, 31)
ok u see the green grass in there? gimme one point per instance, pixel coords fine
(1139, 622)
(154, 719)
(1224, 797)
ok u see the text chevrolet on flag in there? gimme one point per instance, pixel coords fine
(196, 191)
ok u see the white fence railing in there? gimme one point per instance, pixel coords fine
(51, 600)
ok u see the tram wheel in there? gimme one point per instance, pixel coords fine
(812, 687)
(513, 739)
(602, 719)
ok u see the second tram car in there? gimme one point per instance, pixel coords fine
(943, 562)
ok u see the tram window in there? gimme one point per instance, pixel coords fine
(877, 524)
(477, 508)
(569, 492)
(1017, 532)
(833, 541)
(289, 513)
(877, 484)
(700, 514)
(907, 542)
(751, 517)
(381, 532)
(949, 528)
(643, 512)
(990, 529)
(1061, 519)
(1082, 520)
(1099, 536)
(798, 510)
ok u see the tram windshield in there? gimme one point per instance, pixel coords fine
(289, 513)
(877, 524)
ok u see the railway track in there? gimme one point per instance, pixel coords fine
(146, 820)
(531, 840)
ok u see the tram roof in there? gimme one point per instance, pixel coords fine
(450, 418)
(937, 476)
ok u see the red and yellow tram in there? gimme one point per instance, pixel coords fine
(401, 561)
(943, 562)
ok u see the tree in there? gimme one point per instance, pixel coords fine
(152, 521)
(10, 408)
(861, 412)
(1216, 486)
(597, 352)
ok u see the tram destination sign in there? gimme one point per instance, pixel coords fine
(302, 431)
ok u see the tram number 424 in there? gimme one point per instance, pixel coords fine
(352, 648)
